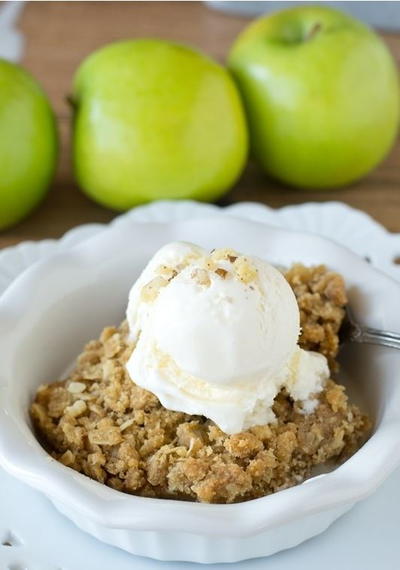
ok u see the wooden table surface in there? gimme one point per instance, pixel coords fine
(60, 34)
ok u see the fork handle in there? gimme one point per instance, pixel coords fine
(376, 336)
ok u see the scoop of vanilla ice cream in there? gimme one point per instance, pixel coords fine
(216, 335)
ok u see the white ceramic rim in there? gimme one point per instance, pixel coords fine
(25, 459)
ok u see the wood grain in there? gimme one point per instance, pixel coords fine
(60, 34)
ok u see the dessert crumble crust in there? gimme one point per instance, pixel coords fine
(321, 296)
(100, 423)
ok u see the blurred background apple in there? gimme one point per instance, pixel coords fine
(154, 119)
(321, 91)
(28, 143)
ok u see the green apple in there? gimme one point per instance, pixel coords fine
(321, 93)
(28, 144)
(153, 120)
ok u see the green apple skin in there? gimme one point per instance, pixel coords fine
(28, 144)
(321, 93)
(156, 120)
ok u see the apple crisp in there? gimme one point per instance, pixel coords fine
(100, 423)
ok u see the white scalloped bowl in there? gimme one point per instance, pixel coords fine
(54, 307)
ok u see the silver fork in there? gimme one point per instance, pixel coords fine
(352, 331)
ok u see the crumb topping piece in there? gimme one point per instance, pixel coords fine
(321, 296)
(217, 262)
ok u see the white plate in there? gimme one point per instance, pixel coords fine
(29, 533)
(335, 220)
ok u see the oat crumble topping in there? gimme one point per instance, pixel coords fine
(100, 423)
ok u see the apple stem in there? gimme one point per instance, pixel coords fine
(313, 31)
(70, 101)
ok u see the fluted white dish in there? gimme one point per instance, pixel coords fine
(335, 220)
(53, 308)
